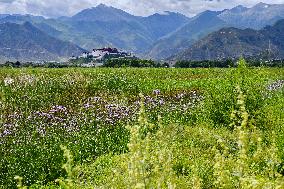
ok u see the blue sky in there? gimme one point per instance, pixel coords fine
(55, 8)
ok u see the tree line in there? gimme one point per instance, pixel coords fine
(227, 63)
(139, 63)
(117, 63)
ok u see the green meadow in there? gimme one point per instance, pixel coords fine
(142, 128)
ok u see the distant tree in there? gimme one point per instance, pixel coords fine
(124, 62)
(205, 64)
(17, 64)
(80, 61)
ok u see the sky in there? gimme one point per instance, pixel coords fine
(57, 8)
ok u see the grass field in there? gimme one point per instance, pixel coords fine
(142, 128)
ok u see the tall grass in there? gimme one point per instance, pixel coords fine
(150, 162)
(192, 128)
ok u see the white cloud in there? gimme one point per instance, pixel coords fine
(54, 8)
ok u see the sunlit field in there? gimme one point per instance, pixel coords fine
(142, 128)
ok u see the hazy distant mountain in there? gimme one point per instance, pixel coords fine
(184, 37)
(17, 18)
(40, 22)
(48, 29)
(160, 25)
(92, 33)
(157, 36)
(256, 17)
(241, 17)
(234, 43)
(27, 43)
(106, 26)
(112, 26)
(59, 29)
(3, 15)
(122, 30)
(130, 36)
(103, 13)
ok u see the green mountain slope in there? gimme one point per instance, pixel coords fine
(234, 43)
(27, 43)
(183, 38)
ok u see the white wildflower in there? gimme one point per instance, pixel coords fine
(8, 81)
(26, 79)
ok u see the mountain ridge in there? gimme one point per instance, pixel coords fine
(241, 17)
(25, 42)
(157, 36)
(232, 42)
(102, 12)
(188, 34)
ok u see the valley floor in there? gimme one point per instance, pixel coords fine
(142, 128)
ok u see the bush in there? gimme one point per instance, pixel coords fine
(116, 63)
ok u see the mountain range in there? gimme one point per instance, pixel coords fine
(267, 43)
(256, 17)
(103, 26)
(201, 25)
(178, 41)
(27, 43)
(157, 36)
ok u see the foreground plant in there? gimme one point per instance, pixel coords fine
(150, 160)
(88, 110)
(148, 164)
(255, 165)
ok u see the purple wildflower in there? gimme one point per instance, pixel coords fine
(156, 92)
(276, 85)
(161, 101)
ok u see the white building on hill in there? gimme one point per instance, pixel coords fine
(105, 53)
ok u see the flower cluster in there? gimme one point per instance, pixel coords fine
(8, 81)
(106, 111)
(116, 112)
(157, 92)
(7, 130)
(57, 113)
(276, 85)
(153, 102)
(26, 79)
(58, 109)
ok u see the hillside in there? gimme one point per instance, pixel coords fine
(233, 43)
(255, 17)
(160, 25)
(103, 13)
(183, 38)
(117, 28)
(157, 36)
(203, 24)
(106, 26)
(27, 43)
